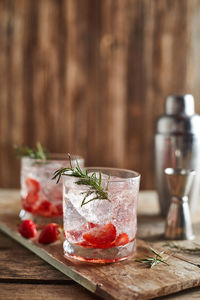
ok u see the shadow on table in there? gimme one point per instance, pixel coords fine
(151, 228)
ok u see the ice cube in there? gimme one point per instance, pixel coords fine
(72, 219)
(97, 211)
(102, 211)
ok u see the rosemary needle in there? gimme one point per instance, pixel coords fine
(38, 153)
(95, 187)
(153, 261)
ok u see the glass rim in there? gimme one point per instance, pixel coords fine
(55, 157)
(136, 175)
(179, 171)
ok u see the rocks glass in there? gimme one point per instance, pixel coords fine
(41, 196)
(101, 230)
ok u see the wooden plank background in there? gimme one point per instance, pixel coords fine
(90, 77)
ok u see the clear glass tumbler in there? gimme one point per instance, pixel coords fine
(41, 196)
(101, 231)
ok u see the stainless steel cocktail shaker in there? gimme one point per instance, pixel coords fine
(177, 145)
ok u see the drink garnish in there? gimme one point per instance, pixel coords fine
(101, 237)
(122, 239)
(38, 153)
(94, 184)
(152, 261)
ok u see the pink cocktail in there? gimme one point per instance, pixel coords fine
(41, 196)
(101, 230)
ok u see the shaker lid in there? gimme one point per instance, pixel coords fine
(179, 104)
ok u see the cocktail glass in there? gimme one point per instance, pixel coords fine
(101, 231)
(41, 196)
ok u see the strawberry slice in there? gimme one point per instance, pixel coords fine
(76, 234)
(28, 207)
(31, 198)
(101, 237)
(91, 225)
(30, 202)
(45, 209)
(33, 185)
(85, 244)
(59, 209)
(122, 239)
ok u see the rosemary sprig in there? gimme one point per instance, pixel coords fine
(38, 153)
(196, 249)
(153, 261)
(95, 187)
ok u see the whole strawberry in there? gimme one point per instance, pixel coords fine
(49, 234)
(27, 229)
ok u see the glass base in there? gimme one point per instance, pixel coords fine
(97, 255)
(24, 215)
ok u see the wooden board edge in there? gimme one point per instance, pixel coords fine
(92, 287)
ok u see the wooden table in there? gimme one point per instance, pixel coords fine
(23, 275)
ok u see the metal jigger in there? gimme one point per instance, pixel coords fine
(178, 223)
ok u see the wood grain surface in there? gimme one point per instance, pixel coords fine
(24, 275)
(134, 281)
(90, 77)
(44, 291)
(17, 263)
(42, 281)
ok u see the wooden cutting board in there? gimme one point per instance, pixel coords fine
(123, 280)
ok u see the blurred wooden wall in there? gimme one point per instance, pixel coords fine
(90, 77)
